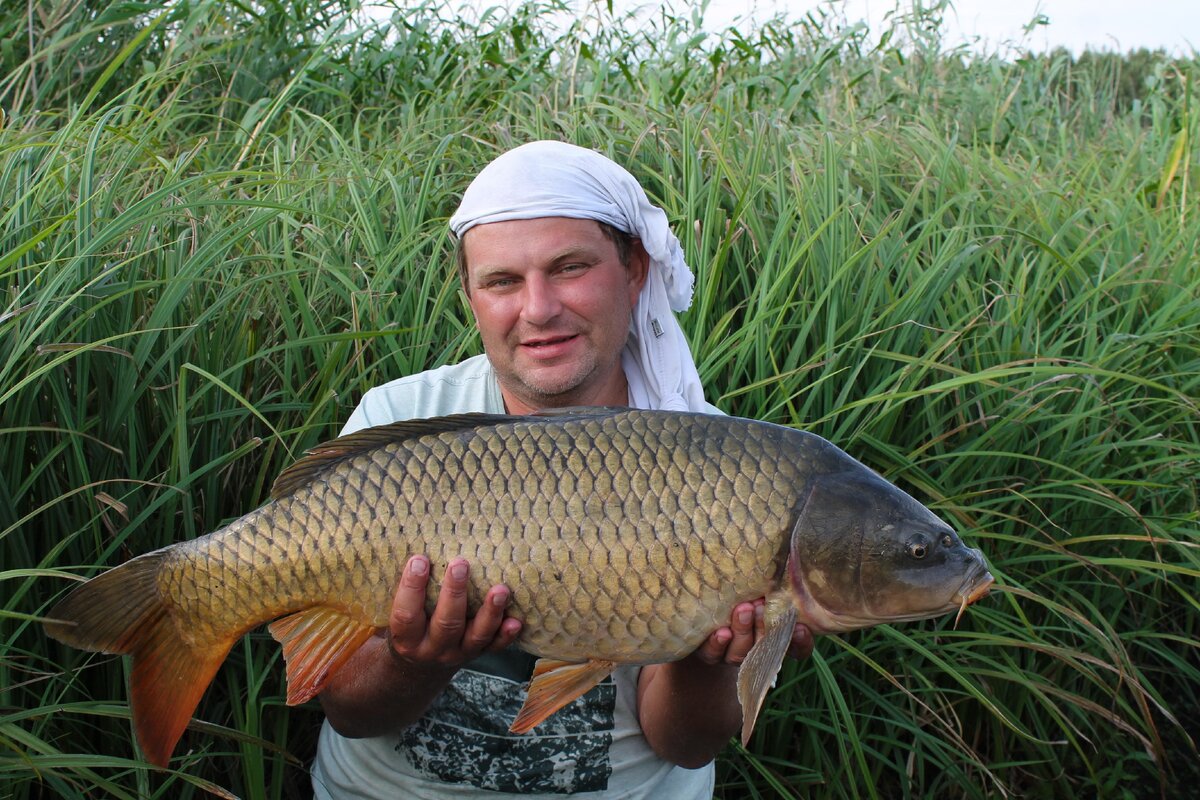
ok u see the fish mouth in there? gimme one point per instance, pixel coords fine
(975, 587)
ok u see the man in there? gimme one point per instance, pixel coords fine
(572, 276)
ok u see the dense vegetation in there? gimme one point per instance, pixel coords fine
(221, 223)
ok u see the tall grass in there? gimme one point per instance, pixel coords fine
(220, 225)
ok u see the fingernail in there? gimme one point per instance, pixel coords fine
(744, 617)
(458, 571)
(500, 598)
(418, 566)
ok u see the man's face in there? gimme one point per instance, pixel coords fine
(552, 302)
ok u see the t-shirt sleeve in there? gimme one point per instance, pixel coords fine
(357, 420)
(379, 406)
(455, 389)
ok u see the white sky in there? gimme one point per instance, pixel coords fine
(1117, 25)
(989, 25)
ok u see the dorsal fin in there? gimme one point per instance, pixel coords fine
(328, 454)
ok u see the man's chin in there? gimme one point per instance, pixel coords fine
(543, 389)
(554, 394)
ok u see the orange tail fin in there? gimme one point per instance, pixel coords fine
(121, 612)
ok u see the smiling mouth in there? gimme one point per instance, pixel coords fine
(548, 342)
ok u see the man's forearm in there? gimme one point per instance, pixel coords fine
(688, 709)
(374, 694)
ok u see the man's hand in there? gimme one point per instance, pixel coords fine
(688, 709)
(730, 644)
(446, 639)
(392, 679)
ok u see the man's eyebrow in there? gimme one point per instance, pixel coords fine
(575, 252)
(584, 253)
(485, 272)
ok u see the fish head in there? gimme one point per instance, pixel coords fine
(864, 552)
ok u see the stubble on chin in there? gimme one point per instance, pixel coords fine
(548, 391)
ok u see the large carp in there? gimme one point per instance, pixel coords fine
(625, 537)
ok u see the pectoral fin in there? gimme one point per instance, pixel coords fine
(758, 671)
(316, 643)
(554, 684)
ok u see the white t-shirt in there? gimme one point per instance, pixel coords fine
(592, 748)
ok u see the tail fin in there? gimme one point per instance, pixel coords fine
(122, 612)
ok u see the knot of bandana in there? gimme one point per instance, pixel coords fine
(556, 179)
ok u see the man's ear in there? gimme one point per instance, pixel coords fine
(639, 268)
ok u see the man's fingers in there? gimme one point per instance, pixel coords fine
(449, 619)
(712, 651)
(802, 642)
(491, 629)
(482, 629)
(742, 623)
(407, 621)
(510, 629)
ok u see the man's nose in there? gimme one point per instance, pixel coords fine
(540, 303)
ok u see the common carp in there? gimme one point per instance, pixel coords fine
(624, 536)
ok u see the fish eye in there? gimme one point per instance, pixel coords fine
(917, 549)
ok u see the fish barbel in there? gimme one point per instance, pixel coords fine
(624, 536)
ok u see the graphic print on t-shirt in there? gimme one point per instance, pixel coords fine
(464, 737)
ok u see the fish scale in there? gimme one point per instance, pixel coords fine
(625, 537)
(552, 592)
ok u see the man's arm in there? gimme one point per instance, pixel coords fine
(393, 678)
(689, 709)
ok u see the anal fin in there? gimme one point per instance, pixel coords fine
(554, 684)
(316, 643)
(762, 663)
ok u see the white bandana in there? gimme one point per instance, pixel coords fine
(555, 179)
